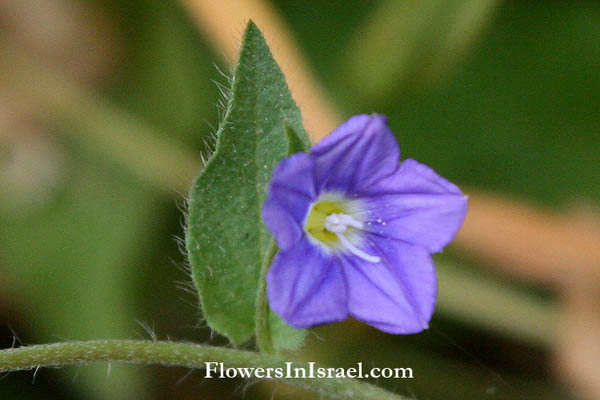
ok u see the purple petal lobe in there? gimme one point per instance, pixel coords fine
(291, 192)
(415, 205)
(396, 295)
(306, 287)
(356, 154)
(382, 271)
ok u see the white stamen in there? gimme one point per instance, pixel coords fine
(357, 252)
(338, 223)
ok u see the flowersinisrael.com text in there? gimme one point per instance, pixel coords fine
(214, 369)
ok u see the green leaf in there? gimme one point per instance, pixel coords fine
(226, 238)
(296, 141)
(283, 336)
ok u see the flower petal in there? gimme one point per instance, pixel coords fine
(306, 287)
(395, 295)
(415, 205)
(291, 192)
(356, 154)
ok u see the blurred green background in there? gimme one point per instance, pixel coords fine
(106, 106)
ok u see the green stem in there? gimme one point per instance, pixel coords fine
(261, 321)
(182, 355)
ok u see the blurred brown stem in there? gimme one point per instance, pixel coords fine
(96, 125)
(529, 243)
(223, 23)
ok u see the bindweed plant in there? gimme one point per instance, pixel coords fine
(281, 237)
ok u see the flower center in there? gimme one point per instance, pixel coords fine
(333, 226)
(338, 223)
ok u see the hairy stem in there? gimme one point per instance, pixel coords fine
(182, 355)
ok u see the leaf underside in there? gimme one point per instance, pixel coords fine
(226, 239)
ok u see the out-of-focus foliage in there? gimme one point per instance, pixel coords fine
(90, 250)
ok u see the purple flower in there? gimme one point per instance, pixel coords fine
(356, 229)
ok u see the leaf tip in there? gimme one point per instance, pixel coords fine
(251, 27)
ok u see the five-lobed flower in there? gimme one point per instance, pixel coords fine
(356, 229)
